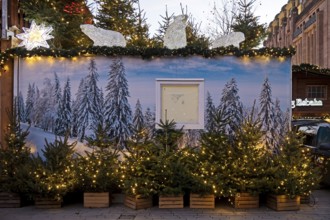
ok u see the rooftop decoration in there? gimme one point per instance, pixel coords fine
(35, 36)
(310, 68)
(146, 53)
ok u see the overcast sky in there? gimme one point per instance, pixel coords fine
(201, 10)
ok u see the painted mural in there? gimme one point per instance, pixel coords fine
(57, 96)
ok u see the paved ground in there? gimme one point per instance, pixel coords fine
(319, 211)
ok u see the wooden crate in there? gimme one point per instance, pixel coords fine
(97, 199)
(202, 201)
(245, 201)
(10, 200)
(283, 203)
(138, 202)
(172, 202)
(47, 203)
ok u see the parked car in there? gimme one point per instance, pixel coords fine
(317, 138)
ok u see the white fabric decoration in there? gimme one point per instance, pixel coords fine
(233, 38)
(35, 36)
(102, 37)
(175, 35)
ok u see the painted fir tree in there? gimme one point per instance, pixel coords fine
(138, 119)
(29, 103)
(231, 106)
(88, 104)
(209, 112)
(267, 116)
(150, 122)
(80, 113)
(118, 113)
(19, 106)
(64, 120)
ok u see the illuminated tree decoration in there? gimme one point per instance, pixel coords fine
(35, 36)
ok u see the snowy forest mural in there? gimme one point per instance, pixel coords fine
(58, 96)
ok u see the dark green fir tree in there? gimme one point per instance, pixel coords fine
(65, 16)
(98, 171)
(251, 164)
(54, 174)
(214, 160)
(14, 159)
(296, 173)
(246, 22)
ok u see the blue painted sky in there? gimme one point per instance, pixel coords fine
(141, 75)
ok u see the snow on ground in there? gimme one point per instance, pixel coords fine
(37, 136)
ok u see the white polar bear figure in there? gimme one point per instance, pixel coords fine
(233, 38)
(175, 35)
(102, 37)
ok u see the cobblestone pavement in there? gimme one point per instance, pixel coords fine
(319, 211)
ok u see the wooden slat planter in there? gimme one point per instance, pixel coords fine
(171, 202)
(246, 201)
(47, 203)
(283, 203)
(304, 200)
(10, 200)
(202, 201)
(97, 199)
(138, 202)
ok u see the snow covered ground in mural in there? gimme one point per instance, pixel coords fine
(36, 141)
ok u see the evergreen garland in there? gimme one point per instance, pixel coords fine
(145, 53)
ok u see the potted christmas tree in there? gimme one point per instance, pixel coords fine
(172, 170)
(295, 175)
(212, 173)
(98, 171)
(249, 164)
(54, 174)
(14, 166)
(138, 171)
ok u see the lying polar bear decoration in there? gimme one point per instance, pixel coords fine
(175, 35)
(233, 38)
(102, 37)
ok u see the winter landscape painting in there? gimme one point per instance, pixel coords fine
(58, 96)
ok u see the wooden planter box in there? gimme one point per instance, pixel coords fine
(202, 201)
(172, 202)
(283, 203)
(97, 199)
(246, 201)
(10, 200)
(47, 203)
(138, 202)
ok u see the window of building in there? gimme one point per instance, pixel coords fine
(317, 91)
(181, 100)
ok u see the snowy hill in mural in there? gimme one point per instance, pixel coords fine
(59, 96)
(36, 141)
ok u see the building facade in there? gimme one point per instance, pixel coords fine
(305, 25)
(11, 18)
(310, 94)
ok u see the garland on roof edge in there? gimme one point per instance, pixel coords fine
(146, 53)
(305, 67)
